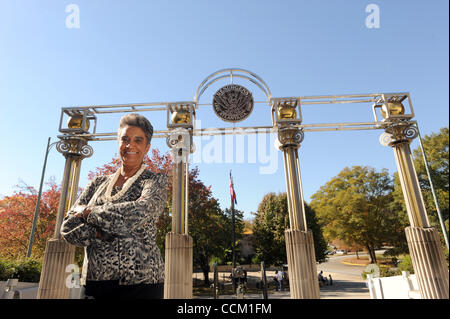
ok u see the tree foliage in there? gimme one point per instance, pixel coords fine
(16, 218)
(207, 223)
(436, 148)
(355, 206)
(271, 221)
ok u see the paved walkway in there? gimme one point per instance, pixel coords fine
(344, 287)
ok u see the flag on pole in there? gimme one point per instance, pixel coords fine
(232, 193)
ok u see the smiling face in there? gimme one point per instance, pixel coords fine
(133, 146)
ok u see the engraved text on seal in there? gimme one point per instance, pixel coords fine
(233, 103)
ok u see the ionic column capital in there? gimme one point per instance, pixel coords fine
(74, 146)
(180, 138)
(399, 133)
(290, 136)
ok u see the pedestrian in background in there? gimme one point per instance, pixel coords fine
(280, 279)
(277, 282)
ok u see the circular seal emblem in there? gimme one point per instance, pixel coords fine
(233, 103)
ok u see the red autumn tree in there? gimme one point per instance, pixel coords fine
(16, 218)
(206, 219)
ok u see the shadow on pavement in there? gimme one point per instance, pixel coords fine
(341, 288)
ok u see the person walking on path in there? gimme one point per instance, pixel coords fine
(277, 282)
(280, 280)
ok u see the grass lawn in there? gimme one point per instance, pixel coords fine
(364, 260)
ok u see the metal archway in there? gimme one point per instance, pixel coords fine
(287, 122)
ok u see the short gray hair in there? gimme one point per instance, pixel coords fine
(134, 119)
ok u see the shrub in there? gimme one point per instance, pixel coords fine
(446, 255)
(7, 270)
(383, 271)
(26, 270)
(374, 268)
(79, 256)
(29, 270)
(405, 265)
(213, 260)
(387, 272)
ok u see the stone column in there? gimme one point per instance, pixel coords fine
(299, 240)
(423, 241)
(58, 253)
(178, 254)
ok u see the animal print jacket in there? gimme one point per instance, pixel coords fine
(126, 250)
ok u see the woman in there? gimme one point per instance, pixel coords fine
(115, 220)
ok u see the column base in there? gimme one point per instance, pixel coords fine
(178, 266)
(301, 258)
(429, 262)
(57, 256)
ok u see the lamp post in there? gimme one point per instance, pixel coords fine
(438, 210)
(38, 202)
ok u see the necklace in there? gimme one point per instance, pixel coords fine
(125, 186)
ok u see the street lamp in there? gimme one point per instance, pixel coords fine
(438, 210)
(36, 211)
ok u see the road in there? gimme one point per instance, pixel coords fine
(334, 265)
(347, 280)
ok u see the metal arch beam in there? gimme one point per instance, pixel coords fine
(237, 76)
(197, 93)
(375, 98)
(320, 127)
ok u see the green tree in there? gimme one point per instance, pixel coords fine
(436, 148)
(355, 207)
(271, 220)
(207, 224)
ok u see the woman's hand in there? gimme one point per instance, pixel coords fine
(82, 211)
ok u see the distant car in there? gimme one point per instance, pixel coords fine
(330, 252)
(339, 252)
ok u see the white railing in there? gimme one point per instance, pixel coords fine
(396, 287)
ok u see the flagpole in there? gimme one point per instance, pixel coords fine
(233, 228)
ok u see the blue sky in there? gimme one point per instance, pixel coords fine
(149, 51)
